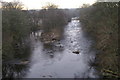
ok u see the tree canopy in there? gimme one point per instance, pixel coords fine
(12, 5)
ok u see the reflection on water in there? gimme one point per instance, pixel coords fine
(14, 70)
(57, 60)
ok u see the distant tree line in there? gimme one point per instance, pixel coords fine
(52, 17)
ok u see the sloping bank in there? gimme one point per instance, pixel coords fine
(101, 21)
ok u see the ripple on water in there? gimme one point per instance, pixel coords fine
(64, 64)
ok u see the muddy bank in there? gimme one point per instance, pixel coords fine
(52, 36)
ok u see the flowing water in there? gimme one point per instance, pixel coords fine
(68, 58)
(59, 61)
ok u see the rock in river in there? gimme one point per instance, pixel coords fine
(24, 62)
(76, 52)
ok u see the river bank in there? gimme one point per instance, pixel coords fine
(52, 35)
(100, 21)
(68, 57)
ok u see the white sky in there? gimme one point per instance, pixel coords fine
(37, 4)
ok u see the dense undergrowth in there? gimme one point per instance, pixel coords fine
(16, 28)
(101, 21)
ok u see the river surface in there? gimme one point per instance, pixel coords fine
(59, 60)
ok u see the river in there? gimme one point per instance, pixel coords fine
(68, 58)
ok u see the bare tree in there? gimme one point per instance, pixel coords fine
(50, 6)
(12, 5)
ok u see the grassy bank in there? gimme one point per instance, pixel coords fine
(101, 21)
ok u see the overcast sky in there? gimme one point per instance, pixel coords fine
(37, 4)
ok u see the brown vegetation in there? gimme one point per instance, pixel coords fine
(101, 21)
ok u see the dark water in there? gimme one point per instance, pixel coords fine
(57, 60)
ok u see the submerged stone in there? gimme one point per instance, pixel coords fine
(24, 62)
